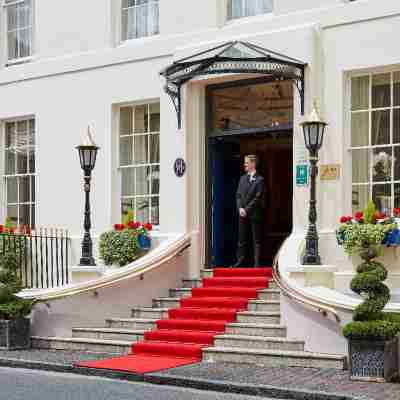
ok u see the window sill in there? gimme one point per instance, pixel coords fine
(250, 19)
(19, 61)
(139, 41)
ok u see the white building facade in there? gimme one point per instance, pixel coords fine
(67, 65)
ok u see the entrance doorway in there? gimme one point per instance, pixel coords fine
(249, 118)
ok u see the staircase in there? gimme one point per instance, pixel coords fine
(231, 315)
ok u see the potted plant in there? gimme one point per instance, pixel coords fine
(125, 243)
(14, 326)
(372, 335)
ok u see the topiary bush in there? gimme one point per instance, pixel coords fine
(11, 306)
(366, 237)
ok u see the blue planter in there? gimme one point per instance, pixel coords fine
(144, 242)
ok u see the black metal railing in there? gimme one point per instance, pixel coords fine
(42, 256)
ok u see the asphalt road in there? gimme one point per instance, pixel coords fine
(22, 384)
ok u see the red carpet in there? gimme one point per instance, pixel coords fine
(179, 339)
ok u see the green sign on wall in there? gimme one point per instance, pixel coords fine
(302, 175)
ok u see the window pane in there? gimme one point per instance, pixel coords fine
(32, 161)
(396, 125)
(12, 45)
(142, 180)
(142, 209)
(32, 132)
(33, 189)
(128, 181)
(141, 119)
(124, 25)
(126, 119)
(155, 211)
(360, 197)
(127, 205)
(154, 149)
(24, 190)
(33, 218)
(12, 190)
(382, 164)
(396, 88)
(155, 117)
(22, 161)
(381, 195)
(360, 166)
(125, 152)
(10, 162)
(381, 90)
(155, 180)
(22, 133)
(11, 18)
(25, 42)
(360, 93)
(11, 137)
(24, 16)
(360, 129)
(24, 214)
(381, 127)
(142, 19)
(12, 212)
(141, 149)
(397, 163)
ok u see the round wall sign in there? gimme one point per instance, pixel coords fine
(180, 167)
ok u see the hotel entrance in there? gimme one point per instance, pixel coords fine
(248, 117)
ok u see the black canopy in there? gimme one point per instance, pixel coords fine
(232, 57)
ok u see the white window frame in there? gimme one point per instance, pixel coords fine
(370, 147)
(243, 14)
(120, 27)
(4, 31)
(28, 174)
(150, 195)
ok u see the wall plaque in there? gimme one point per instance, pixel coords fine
(302, 175)
(330, 172)
(179, 167)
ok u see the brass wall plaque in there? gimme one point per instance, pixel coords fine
(330, 172)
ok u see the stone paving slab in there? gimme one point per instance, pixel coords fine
(322, 380)
(305, 383)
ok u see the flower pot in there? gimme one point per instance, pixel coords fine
(144, 242)
(373, 360)
(15, 334)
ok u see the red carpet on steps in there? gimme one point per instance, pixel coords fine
(179, 339)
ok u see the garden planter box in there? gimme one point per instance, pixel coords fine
(15, 334)
(374, 361)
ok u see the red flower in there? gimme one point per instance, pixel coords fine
(119, 227)
(396, 212)
(12, 230)
(148, 227)
(380, 215)
(359, 216)
(134, 225)
(131, 224)
(1, 228)
(343, 220)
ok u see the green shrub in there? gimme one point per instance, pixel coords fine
(11, 306)
(384, 329)
(119, 247)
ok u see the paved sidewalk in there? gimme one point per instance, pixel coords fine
(292, 383)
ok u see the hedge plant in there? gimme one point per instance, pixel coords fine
(11, 306)
(365, 236)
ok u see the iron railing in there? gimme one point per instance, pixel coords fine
(42, 256)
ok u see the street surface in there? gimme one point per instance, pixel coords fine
(22, 384)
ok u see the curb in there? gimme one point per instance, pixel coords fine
(191, 383)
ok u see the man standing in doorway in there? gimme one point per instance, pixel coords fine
(249, 198)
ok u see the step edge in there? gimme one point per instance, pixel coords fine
(110, 330)
(83, 340)
(259, 338)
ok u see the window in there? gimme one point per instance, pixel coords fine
(19, 29)
(375, 140)
(139, 18)
(248, 8)
(19, 171)
(139, 160)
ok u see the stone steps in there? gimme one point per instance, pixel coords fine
(149, 312)
(273, 358)
(254, 329)
(254, 305)
(197, 282)
(131, 335)
(144, 324)
(259, 317)
(82, 344)
(258, 342)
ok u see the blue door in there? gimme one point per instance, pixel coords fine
(225, 175)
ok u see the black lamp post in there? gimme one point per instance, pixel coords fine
(313, 129)
(87, 157)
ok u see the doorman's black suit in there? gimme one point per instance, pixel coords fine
(249, 196)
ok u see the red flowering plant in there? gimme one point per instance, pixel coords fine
(126, 242)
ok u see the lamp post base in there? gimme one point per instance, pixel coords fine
(87, 262)
(310, 259)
